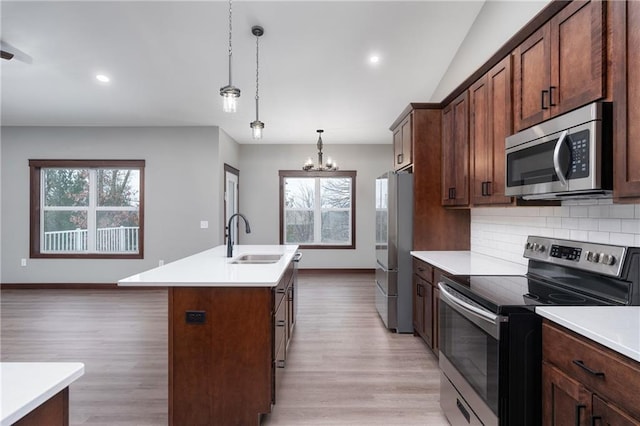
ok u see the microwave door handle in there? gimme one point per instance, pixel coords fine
(556, 158)
(472, 310)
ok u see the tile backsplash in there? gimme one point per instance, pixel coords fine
(502, 231)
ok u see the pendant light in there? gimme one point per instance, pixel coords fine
(230, 93)
(257, 125)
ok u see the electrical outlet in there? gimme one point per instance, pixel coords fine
(23, 262)
(195, 317)
(160, 262)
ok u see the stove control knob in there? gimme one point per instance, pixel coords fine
(595, 258)
(607, 259)
(527, 246)
(534, 247)
(541, 248)
(588, 256)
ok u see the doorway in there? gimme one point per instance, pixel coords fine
(231, 197)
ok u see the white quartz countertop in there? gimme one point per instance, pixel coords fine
(212, 268)
(24, 386)
(616, 327)
(470, 263)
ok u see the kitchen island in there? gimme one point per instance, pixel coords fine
(230, 321)
(36, 393)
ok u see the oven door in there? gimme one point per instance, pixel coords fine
(560, 162)
(469, 355)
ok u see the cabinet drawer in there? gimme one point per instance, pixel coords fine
(423, 270)
(278, 366)
(280, 325)
(605, 372)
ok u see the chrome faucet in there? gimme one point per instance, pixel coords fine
(229, 242)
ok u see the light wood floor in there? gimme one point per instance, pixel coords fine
(343, 367)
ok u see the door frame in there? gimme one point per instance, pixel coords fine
(232, 170)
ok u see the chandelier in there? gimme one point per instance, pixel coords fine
(230, 93)
(330, 165)
(257, 125)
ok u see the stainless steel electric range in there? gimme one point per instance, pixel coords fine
(490, 336)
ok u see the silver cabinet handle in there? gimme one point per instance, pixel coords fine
(556, 158)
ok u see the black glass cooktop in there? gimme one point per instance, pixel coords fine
(502, 294)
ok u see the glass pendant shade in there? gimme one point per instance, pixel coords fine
(230, 97)
(256, 129)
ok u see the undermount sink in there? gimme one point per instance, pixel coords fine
(257, 259)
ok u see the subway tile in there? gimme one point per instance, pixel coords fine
(622, 239)
(609, 225)
(637, 214)
(637, 243)
(598, 237)
(554, 222)
(630, 226)
(562, 233)
(579, 235)
(599, 211)
(587, 224)
(557, 211)
(622, 211)
(570, 223)
(579, 211)
(548, 211)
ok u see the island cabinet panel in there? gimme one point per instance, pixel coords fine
(626, 108)
(52, 412)
(220, 364)
(562, 65)
(585, 381)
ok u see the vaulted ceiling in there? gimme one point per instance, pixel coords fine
(168, 59)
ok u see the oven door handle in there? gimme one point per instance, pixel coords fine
(556, 158)
(472, 310)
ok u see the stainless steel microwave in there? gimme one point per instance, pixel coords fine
(569, 156)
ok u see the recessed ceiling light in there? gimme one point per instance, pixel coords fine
(374, 59)
(102, 78)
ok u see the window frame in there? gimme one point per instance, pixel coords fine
(35, 211)
(283, 174)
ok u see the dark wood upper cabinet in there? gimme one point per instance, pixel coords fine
(562, 65)
(490, 123)
(625, 33)
(455, 152)
(403, 143)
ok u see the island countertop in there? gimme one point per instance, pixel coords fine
(25, 386)
(212, 268)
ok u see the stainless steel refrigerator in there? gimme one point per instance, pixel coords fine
(394, 239)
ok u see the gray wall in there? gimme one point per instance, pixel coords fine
(496, 23)
(182, 187)
(259, 195)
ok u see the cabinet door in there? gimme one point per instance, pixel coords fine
(609, 415)
(565, 402)
(626, 108)
(481, 151)
(532, 79)
(500, 125)
(455, 152)
(428, 314)
(407, 140)
(418, 305)
(448, 156)
(578, 67)
(397, 148)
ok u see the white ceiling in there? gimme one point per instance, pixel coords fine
(167, 61)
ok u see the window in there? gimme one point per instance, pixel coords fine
(317, 209)
(87, 208)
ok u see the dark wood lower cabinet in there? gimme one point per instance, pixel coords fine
(425, 303)
(52, 412)
(227, 350)
(584, 383)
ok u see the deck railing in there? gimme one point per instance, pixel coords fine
(123, 239)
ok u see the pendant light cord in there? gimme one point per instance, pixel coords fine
(230, 32)
(257, 74)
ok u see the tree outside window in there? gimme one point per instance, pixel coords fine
(87, 208)
(317, 209)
